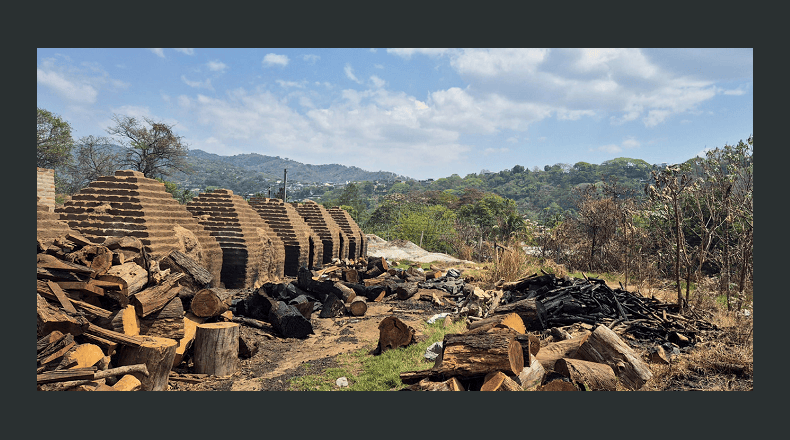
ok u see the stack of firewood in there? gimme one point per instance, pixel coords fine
(499, 354)
(110, 317)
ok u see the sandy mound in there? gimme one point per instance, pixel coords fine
(405, 250)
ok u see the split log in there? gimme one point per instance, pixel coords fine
(166, 323)
(509, 320)
(555, 351)
(155, 298)
(499, 381)
(135, 276)
(467, 355)
(190, 326)
(51, 348)
(599, 377)
(61, 297)
(196, 276)
(216, 349)
(333, 307)
(138, 369)
(126, 321)
(394, 333)
(106, 345)
(451, 384)
(46, 261)
(127, 383)
(531, 376)
(288, 321)
(375, 293)
(406, 290)
(157, 354)
(358, 306)
(65, 375)
(211, 302)
(531, 312)
(45, 290)
(82, 356)
(305, 308)
(119, 338)
(51, 318)
(605, 347)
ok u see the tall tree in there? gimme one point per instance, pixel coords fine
(53, 140)
(94, 157)
(151, 147)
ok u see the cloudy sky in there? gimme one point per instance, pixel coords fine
(423, 113)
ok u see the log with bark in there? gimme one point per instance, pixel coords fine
(333, 307)
(288, 321)
(157, 354)
(135, 276)
(196, 276)
(156, 297)
(216, 348)
(499, 381)
(358, 306)
(165, 323)
(51, 318)
(211, 302)
(531, 377)
(468, 355)
(406, 290)
(555, 351)
(531, 312)
(508, 320)
(451, 384)
(598, 377)
(604, 346)
(394, 333)
(190, 326)
(558, 385)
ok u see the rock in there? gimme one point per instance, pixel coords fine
(434, 350)
(342, 382)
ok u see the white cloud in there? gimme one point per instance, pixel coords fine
(310, 58)
(492, 62)
(272, 59)
(187, 51)
(377, 82)
(79, 85)
(610, 148)
(216, 66)
(378, 66)
(490, 151)
(288, 84)
(158, 51)
(373, 49)
(407, 53)
(512, 139)
(350, 73)
(184, 101)
(198, 84)
(67, 88)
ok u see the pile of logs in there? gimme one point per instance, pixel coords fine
(498, 354)
(592, 301)
(110, 317)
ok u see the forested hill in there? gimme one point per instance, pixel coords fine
(273, 167)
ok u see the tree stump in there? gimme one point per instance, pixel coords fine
(216, 348)
(157, 354)
(394, 333)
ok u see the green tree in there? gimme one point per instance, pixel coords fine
(182, 196)
(151, 147)
(53, 140)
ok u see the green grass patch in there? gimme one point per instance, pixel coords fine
(366, 372)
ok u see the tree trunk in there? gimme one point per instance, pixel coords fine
(406, 290)
(599, 377)
(467, 355)
(605, 347)
(157, 354)
(216, 348)
(531, 311)
(394, 333)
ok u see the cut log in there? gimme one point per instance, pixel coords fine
(126, 321)
(467, 355)
(288, 321)
(50, 355)
(256, 306)
(598, 377)
(531, 312)
(347, 294)
(135, 276)
(373, 272)
(113, 336)
(65, 375)
(154, 298)
(406, 290)
(451, 384)
(196, 277)
(509, 320)
(332, 307)
(210, 302)
(499, 381)
(394, 333)
(157, 354)
(558, 385)
(305, 308)
(605, 347)
(51, 318)
(190, 326)
(358, 306)
(555, 351)
(45, 290)
(414, 377)
(216, 348)
(166, 323)
(106, 345)
(560, 334)
(350, 275)
(531, 377)
(46, 261)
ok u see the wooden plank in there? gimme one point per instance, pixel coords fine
(65, 375)
(62, 299)
(83, 286)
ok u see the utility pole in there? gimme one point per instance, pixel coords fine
(285, 181)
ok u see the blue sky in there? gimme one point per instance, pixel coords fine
(423, 113)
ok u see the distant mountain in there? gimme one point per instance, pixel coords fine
(273, 167)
